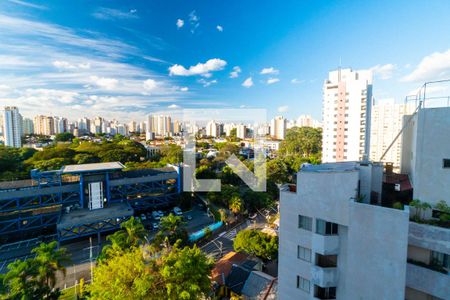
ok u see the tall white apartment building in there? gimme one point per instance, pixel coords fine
(241, 131)
(278, 128)
(228, 127)
(27, 126)
(84, 125)
(133, 126)
(159, 125)
(387, 122)
(61, 124)
(44, 125)
(347, 101)
(333, 244)
(12, 127)
(214, 129)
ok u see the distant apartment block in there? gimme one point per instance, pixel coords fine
(387, 122)
(347, 100)
(307, 121)
(278, 127)
(12, 127)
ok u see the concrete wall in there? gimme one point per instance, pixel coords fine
(429, 237)
(428, 281)
(376, 253)
(429, 144)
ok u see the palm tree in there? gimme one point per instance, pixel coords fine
(50, 261)
(134, 231)
(236, 204)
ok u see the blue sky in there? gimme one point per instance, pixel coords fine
(124, 59)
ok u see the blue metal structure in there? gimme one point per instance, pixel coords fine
(36, 207)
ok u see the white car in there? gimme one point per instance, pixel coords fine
(156, 215)
(155, 226)
(177, 211)
(143, 217)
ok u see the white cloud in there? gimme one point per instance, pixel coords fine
(105, 13)
(184, 89)
(283, 108)
(180, 23)
(214, 64)
(206, 83)
(27, 4)
(383, 71)
(270, 70)
(296, 81)
(235, 72)
(173, 106)
(248, 82)
(194, 21)
(62, 64)
(219, 28)
(272, 80)
(150, 85)
(432, 67)
(103, 82)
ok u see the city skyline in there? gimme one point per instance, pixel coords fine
(126, 61)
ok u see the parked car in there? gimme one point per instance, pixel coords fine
(155, 226)
(143, 217)
(155, 215)
(189, 217)
(177, 211)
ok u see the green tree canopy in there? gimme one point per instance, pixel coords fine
(256, 243)
(302, 141)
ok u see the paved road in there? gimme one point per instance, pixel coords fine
(223, 244)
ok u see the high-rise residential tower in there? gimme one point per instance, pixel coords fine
(12, 127)
(278, 128)
(347, 101)
(387, 118)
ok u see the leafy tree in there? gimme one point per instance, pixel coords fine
(50, 260)
(173, 229)
(131, 235)
(302, 141)
(171, 154)
(236, 205)
(147, 273)
(126, 276)
(85, 158)
(257, 200)
(186, 273)
(223, 215)
(256, 243)
(64, 137)
(278, 171)
(34, 278)
(204, 172)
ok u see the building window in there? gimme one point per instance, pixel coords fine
(326, 228)
(326, 261)
(440, 259)
(305, 222)
(304, 253)
(446, 163)
(303, 284)
(324, 293)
